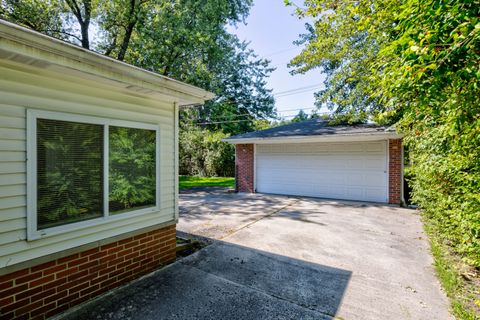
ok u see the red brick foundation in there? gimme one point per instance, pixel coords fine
(50, 288)
(244, 162)
(395, 171)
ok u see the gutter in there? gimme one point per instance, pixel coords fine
(402, 178)
(318, 138)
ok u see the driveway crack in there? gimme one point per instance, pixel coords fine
(261, 218)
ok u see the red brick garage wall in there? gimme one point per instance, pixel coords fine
(244, 173)
(50, 288)
(395, 171)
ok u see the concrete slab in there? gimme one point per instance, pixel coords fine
(215, 214)
(312, 286)
(383, 247)
(276, 257)
(190, 289)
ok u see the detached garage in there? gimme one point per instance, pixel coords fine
(311, 158)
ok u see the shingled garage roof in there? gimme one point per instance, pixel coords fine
(315, 159)
(313, 128)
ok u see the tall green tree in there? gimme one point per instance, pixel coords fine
(194, 46)
(119, 20)
(343, 40)
(240, 87)
(301, 116)
(414, 63)
(42, 16)
(82, 10)
(65, 19)
(183, 39)
(433, 80)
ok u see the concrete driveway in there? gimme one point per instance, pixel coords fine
(275, 257)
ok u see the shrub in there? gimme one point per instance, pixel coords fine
(203, 153)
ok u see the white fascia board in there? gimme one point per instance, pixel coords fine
(25, 46)
(319, 138)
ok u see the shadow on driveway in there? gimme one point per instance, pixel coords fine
(227, 281)
(382, 246)
(279, 257)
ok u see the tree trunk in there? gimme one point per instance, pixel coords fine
(132, 20)
(85, 40)
(83, 21)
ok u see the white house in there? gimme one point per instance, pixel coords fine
(88, 172)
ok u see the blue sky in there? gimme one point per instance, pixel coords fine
(271, 29)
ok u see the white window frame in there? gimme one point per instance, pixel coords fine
(32, 115)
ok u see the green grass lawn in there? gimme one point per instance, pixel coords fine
(189, 182)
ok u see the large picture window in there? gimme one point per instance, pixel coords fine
(86, 170)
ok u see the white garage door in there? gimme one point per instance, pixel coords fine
(353, 171)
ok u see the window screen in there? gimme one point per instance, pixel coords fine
(132, 183)
(69, 172)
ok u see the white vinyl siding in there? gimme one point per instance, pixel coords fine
(23, 88)
(352, 171)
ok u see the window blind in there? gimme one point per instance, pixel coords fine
(69, 172)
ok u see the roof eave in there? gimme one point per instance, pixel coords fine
(374, 136)
(16, 44)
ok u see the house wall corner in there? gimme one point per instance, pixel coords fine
(244, 168)
(395, 174)
(49, 288)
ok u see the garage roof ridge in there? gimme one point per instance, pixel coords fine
(314, 128)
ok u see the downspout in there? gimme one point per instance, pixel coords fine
(402, 196)
(236, 169)
(176, 165)
(254, 183)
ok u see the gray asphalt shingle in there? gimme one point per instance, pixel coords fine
(314, 127)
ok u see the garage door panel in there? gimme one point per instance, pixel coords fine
(375, 163)
(371, 194)
(321, 177)
(307, 161)
(355, 192)
(375, 179)
(355, 179)
(355, 163)
(348, 148)
(378, 147)
(354, 171)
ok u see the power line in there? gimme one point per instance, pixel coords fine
(218, 122)
(249, 120)
(296, 91)
(233, 121)
(280, 94)
(249, 115)
(232, 116)
(294, 115)
(298, 109)
(299, 88)
(252, 115)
